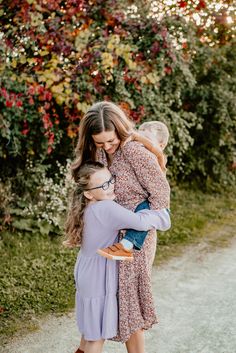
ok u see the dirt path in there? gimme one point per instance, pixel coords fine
(195, 297)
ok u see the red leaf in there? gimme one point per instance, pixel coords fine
(183, 4)
(9, 104)
(201, 5)
(19, 104)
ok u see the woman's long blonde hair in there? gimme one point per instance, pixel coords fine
(102, 116)
(75, 222)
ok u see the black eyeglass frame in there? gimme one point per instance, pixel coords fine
(112, 180)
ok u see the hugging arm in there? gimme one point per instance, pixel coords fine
(121, 218)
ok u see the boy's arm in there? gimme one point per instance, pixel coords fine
(155, 150)
(148, 174)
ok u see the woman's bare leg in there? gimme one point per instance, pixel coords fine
(94, 346)
(136, 342)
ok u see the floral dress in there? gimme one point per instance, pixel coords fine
(138, 177)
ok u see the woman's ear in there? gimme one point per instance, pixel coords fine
(88, 195)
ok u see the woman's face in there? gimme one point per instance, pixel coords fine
(107, 140)
(101, 186)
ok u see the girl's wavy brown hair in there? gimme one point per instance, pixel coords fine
(102, 116)
(75, 217)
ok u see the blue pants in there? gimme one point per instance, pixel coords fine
(134, 236)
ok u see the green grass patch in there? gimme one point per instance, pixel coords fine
(36, 276)
(195, 216)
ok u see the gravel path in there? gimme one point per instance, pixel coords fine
(195, 296)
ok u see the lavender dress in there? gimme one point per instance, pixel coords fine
(96, 277)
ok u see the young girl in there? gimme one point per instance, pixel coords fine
(94, 220)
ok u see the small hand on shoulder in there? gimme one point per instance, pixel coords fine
(137, 137)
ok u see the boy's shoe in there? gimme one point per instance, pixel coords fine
(116, 252)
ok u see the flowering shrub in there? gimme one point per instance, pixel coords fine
(41, 205)
(29, 123)
(6, 197)
(46, 210)
(57, 58)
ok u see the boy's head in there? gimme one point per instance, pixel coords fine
(156, 131)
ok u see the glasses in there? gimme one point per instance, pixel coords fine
(105, 186)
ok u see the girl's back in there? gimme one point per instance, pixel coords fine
(99, 230)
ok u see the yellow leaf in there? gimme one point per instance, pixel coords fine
(30, 1)
(83, 107)
(144, 79)
(49, 83)
(131, 64)
(46, 75)
(2, 67)
(36, 19)
(60, 99)
(81, 40)
(67, 101)
(43, 52)
(38, 7)
(68, 91)
(71, 133)
(31, 61)
(152, 78)
(57, 88)
(22, 59)
(24, 77)
(113, 42)
(14, 63)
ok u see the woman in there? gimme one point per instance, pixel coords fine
(104, 132)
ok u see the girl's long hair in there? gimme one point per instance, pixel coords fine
(102, 116)
(75, 216)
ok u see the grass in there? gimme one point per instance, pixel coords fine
(36, 276)
(197, 216)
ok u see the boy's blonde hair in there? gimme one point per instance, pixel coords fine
(158, 129)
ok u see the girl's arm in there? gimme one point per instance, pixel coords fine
(149, 174)
(117, 217)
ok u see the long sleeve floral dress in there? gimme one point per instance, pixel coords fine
(138, 177)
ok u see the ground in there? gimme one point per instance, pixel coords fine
(195, 300)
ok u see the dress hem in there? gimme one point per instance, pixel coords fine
(145, 326)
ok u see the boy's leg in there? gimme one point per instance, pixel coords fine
(132, 239)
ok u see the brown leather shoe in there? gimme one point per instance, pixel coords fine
(116, 252)
(79, 351)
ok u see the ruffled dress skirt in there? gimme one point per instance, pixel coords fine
(96, 280)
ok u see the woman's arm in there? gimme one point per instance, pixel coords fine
(117, 217)
(149, 174)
